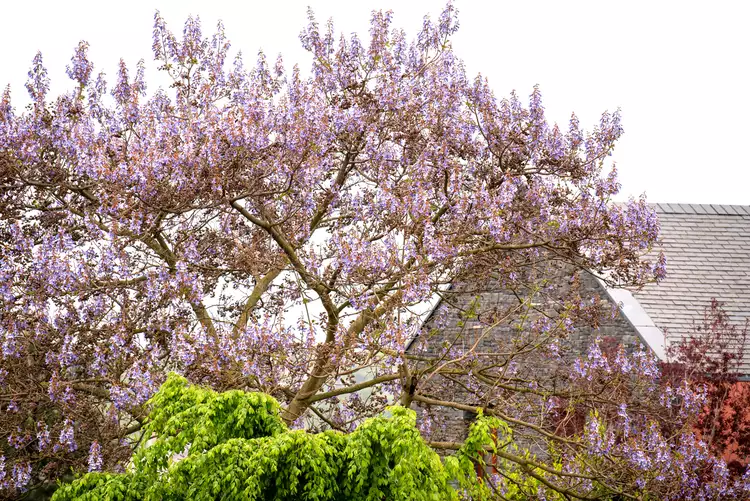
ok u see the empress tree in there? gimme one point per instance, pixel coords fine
(264, 230)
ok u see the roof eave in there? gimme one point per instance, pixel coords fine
(651, 335)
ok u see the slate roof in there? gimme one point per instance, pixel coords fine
(708, 256)
(707, 247)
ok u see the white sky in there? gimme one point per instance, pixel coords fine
(678, 70)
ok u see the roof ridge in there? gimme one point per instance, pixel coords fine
(702, 209)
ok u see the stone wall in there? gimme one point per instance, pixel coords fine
(448, 325)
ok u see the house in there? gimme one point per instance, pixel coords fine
(707, 248)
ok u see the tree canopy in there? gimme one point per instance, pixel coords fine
(262, 230)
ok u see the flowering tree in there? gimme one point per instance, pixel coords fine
(260, 230)
(609, 424)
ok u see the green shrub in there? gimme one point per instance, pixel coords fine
(203, 445)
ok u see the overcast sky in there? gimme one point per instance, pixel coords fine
(678, 70)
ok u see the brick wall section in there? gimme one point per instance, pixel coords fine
(443, 326)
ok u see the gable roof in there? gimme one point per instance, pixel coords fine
(708, 256)
(707, 247)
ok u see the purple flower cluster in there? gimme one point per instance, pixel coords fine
(42, 435)
(67, 438)
(80, 68)
(19, 476)
(95, 457)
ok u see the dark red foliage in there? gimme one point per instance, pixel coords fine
(712, 356)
